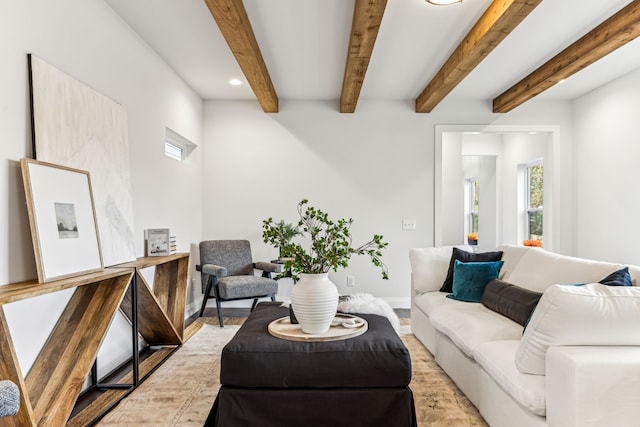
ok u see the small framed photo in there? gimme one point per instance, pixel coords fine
(62, 218)
(158, 241)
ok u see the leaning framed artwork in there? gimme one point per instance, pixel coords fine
(62, 220)
(76, 126)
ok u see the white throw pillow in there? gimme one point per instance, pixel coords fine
(429, 267)
(592, 314)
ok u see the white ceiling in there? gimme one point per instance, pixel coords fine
(304, 45)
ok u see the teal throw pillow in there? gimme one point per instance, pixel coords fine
(470, 279)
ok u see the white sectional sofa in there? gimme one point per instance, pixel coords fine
(578, 361)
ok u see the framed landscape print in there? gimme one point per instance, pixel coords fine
(62, 220)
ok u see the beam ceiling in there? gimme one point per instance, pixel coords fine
(367, 15)
(231, 17)
(500, 18)
(613, 33)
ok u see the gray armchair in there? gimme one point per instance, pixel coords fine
(227, 272)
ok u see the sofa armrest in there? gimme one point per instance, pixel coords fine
(592, 385)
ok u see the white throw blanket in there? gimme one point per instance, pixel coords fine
(368, 304)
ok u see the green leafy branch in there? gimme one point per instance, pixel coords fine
(330, 245)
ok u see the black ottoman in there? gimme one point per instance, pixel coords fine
(267, 381)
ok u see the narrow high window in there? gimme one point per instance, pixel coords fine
(177, 146)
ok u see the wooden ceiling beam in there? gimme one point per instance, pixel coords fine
(613, 33)
(500, 18)
(231, 17)
(367, 15)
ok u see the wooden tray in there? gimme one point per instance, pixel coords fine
(282, 328)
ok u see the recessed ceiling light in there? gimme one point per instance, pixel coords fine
(443, 2)
(235, 82)
(561, 81)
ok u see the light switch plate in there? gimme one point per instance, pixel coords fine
(408, 224)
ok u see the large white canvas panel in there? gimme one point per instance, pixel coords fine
(75, 126)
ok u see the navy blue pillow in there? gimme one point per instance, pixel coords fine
(464, 256)
(470, 279)
(618, 278)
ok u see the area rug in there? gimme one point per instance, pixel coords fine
(182, 390)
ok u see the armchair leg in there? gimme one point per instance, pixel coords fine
(273, 297)
(219, 309)
(255, 302)
(205, 297)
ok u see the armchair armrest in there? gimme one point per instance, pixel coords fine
(593, 385)
(212, 269)
(269, 267)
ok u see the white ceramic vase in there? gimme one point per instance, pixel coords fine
(314, 299)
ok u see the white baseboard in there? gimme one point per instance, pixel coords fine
(398, 302)
(192, 308)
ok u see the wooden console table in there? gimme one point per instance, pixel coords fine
(157, 315)
(49, 391)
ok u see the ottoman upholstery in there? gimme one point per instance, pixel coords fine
(253, 358)
(269, 381)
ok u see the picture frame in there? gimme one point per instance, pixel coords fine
(158, 242)
(62, 219)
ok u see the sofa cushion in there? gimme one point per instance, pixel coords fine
(510, 300)
(430, 301)
(511, 255)
(497, 359)
(470, 279)
(538, 269)
(469, 324)
(593, 314)
(429, 267)
(464, 256)
(634, 272)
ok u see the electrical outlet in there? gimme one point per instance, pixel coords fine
(408, 224)
(351, 281)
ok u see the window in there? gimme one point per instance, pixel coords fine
(472, 185)
(177, 146)
(534, 192)
(173, 151)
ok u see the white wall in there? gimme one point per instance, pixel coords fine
(607, 150)
(87, 40)
(376, 166)
(487, 149)
(452, 193)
